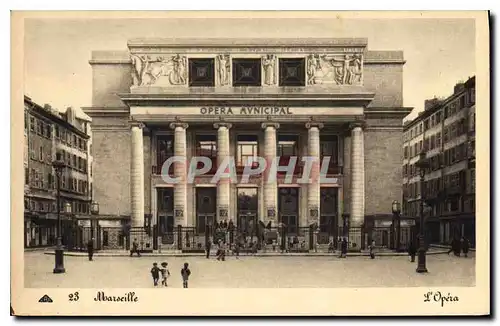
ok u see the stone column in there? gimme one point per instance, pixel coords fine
(180, 171)
(137, 175)
(270, 188)
(224, 184)
(357, 216)
(313, 188)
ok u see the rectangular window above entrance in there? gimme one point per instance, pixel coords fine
(247, 151)
(329, 148)
(206, 146)
(288, 146)
(164, 150)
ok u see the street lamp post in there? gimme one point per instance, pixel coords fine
(345, 220)
(422, 165)
(59, 165)
(94, 210)
(396, 211)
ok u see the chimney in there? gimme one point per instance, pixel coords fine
(431, 103)
(458, 87)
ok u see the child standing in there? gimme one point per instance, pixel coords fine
(185, 272)
(164, 273)
(155, 273)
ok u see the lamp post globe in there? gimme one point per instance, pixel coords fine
(396, 221)
(59, 166)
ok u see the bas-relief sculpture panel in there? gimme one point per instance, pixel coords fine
(160, 70)
(340, 69)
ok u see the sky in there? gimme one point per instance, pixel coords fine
(438, 52)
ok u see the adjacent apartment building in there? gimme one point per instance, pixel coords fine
(49, 134)
(446, 132)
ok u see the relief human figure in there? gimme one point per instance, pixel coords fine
(268, 65)
(140, 66)
(313, 65)
(223, 69)
(355, 70)
(178, 75)
(343, 72)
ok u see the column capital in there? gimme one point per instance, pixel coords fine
(274, 125)
(357, 124)
(218, 125)
(134, 123)
(312, 124)
(174, 125)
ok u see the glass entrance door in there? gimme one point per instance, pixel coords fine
(247, 211)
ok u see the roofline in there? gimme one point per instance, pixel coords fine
(54, 118)
(469, 82)
(247, 42)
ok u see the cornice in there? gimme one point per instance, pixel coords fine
(99, 111)
(246, 42)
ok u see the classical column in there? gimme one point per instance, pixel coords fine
(357, 184)
(270, 182)
(224, 184)
(180, 171)
(313, 188)
(137, 175)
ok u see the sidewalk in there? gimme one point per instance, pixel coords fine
(177, 253)
(440, 246)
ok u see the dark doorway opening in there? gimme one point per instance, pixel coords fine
(206, 205)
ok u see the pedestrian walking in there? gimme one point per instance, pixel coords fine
(90, 248)
(453, 246)
(412, 250)
(465, 246)
(155, 273)
(237, 250)
(372, 249)
(165, 273)
(208, 246)
(343, 248)
(221, 253)
(185, 273)
(135, 248)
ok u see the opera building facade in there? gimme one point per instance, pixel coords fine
(278, 99)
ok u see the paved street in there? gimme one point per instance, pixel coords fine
(251, 272)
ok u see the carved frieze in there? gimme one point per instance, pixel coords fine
(160, 70)
(340, 69)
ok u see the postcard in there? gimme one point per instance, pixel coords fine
(250, 163)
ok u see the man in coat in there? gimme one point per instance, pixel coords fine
(90, 248)
(412, 250)
(135, 248)
(208, 247)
